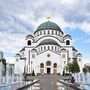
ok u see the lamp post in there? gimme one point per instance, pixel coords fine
(25, 69)
(58, 68)
(38, 69)
(31, 67)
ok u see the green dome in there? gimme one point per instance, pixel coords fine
(48, 25)
(48, 42)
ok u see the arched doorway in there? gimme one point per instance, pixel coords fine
(55, 68)
(42, 68)
(48, 65)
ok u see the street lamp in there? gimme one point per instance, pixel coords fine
(31, 67)
(24, 73)
(38, 69)
(25, 70)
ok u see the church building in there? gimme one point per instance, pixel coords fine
(47, 51)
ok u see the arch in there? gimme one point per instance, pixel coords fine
(67, 42)
(41, 65)
(49, 37)
(48, 63)
(55, 65)
(29, 42)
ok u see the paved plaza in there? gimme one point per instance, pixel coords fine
(49, 82)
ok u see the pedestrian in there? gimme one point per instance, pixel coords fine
(72, 80)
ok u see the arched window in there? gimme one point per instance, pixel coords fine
(44, 47)
(41, 48)
(17, 60)
(55, 65)
(29, 42)
(55, 48)
(40, 32)
(48, 47)
(44, 32)
(58, 48)
(52, 47)
(63, 55)
(67, 42)
(59, 33)
(56, 32)
(33, 55)
(41, 65)
(48, 63)
(64, 62)
(48, 32)
(52, 32)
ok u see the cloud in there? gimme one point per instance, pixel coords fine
(21, 17)
(85, 27)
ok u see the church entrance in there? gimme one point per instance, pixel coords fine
(48, 70)
(48, 64)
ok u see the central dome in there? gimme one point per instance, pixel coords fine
(48, 25)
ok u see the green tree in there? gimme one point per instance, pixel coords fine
(73, 67)
(69, 67)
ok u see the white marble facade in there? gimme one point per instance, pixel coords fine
(47, 51)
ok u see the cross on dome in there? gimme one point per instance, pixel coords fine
(48, 18)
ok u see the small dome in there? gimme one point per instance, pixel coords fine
(79, 54)
(29, 36)
(63, 49)
(48, 25)
(48, 42)
(18, 55)
(67, 36)
(34, 50)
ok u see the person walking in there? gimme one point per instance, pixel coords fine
(72, 80)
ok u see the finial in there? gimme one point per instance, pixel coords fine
(48, 18)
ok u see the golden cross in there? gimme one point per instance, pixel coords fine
(48, 18)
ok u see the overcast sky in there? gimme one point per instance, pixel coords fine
(19, 18)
